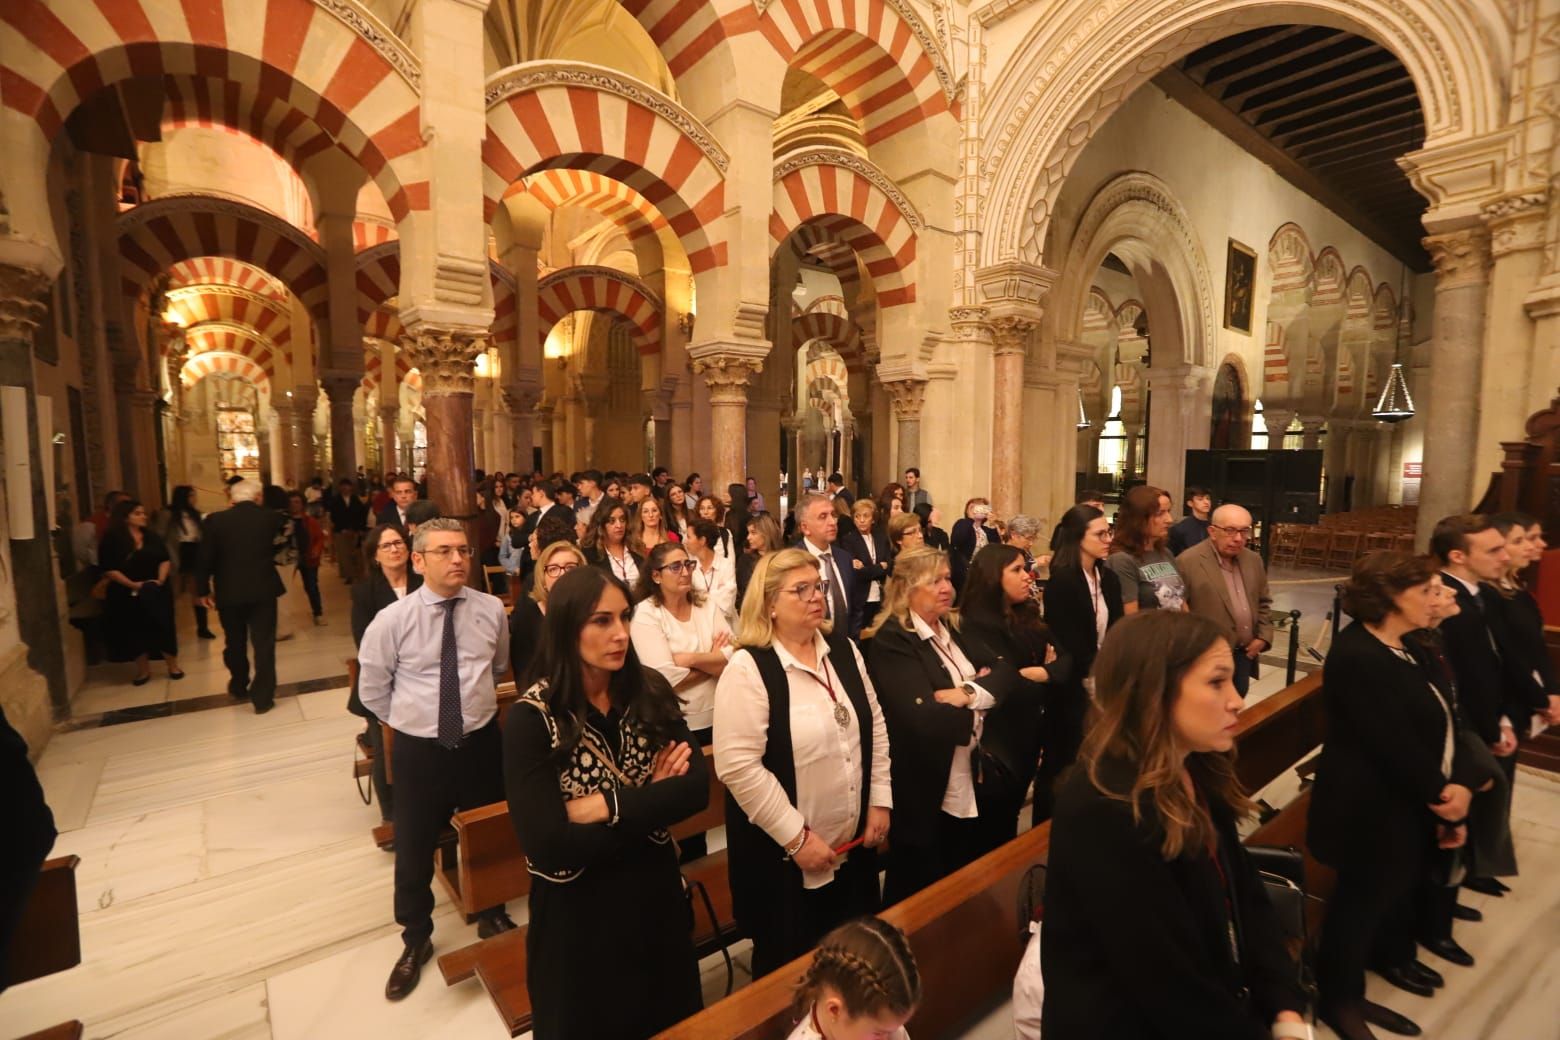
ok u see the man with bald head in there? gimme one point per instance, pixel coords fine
(1226, 582)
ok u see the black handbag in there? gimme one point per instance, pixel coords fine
(1282, 872)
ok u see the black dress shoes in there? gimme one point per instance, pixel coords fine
(1485, 886)
(1424, 973)
(238, 693)
(1405, 978)
(261, 709)
(1348, 1021)
(408, 969)
(494, 924)
(1447, 949)
(1466, 913)
(1386, 1018)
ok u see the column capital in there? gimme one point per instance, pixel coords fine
(907, 396)
(340, 387)
(1011, 334)
(305, 397)
(389, 412)
(1461, 258)
(1460, 178)
(1015, 287)
(970, 324)
(521, 398)
(22, 290)
(727, 375)
(1179, 377)
(446, 357)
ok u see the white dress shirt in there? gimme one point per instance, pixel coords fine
(719, 584)
(805, 1030)
(827, 755)
(398, 661)
(959, 797)
(657, 635)
(624, 569)
(829, 570)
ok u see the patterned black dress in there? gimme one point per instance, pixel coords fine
(609, 954)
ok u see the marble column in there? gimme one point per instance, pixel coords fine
(142, 401)
(520, 399)
(1311, 427)
(1451, 404)
(389, 415)
(907, 397)
(1277, 420)
(1335, 462)
(727, 375)
(284, 460)
(340, 391)
(304, 401)
(446, 358)
(22, 292)
(1178, 419)
(1010, 347)
(544, 420)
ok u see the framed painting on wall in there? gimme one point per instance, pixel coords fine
(1240, 278)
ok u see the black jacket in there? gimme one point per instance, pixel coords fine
(855, 543)
(1528, 654)
(1012, 731)
(1069, 611)
(1487, 662)
(961, 549)
(391, 514)
(855, 595)
(1135, 947)
(368, 599)
(237, 551)
(923, 734)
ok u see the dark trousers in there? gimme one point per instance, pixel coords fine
(382, 789)
(28, 826)
(696, 846)
(311, 587)
(817, 911)
(1061, 736)
(1370, 920)
(242, 624)
(912, 867)
(1244, 668)
(433, 783)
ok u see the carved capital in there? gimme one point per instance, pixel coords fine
(340, 387)
(304, 398)
(389, 413)
(1516, 222)
(907, 396)
(22, 291)
(446, 357)
(1461, 258)
(521, 398)
(1011, 334)
(1015, 286)
(727, 376)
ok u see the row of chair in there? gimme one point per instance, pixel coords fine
(1381, 519)
(1311, 545)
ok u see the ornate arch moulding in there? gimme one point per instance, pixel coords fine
(1461, 179)
(1075, 68)
(378, 36)
(856, 164)
(517, 79)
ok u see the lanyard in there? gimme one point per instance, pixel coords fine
(624, 568)
(954, 671)
(841, 716)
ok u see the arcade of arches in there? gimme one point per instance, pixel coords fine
(992, 240)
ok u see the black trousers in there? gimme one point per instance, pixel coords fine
(243, 624)
(814, 912)
(381, 781)
(1371, 919)
(1061, 736)
(28, 826)
(433, 783)
(696, 846)
(913, 867)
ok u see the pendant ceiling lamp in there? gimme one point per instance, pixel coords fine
(1395, 403)
(1083, 413)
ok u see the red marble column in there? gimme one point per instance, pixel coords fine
(446, 358)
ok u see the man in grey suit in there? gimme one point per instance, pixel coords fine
(237, 551)
(1226, 583)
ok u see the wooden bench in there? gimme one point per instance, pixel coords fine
(48, 937)
(64, 1031)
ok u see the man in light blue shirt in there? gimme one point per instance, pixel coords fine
(426, 666)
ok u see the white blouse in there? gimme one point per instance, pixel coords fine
(719, 585)
(827, 756)
(805, 1031)
(657, 635)
(625, 569)
(959, 796)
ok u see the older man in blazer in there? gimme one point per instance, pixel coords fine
(1226, 582)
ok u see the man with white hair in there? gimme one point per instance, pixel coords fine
(1226, 582)
(237, 548)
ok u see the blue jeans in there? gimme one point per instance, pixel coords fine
(1244, 666)
(311, 586)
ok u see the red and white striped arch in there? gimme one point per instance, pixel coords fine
(614, 200)
(366, 234)
(687, 33)
(202, 365)
(379, 280)
(237, 340)
(332, 65)
(219, 270)
(571, 116)
(823, 244)
(849, 207)
(404, 373)
(876, 55)
(156, 235)
(196, 304)
(242, 108)
(600, 289)
(836, 330)
(385, 324)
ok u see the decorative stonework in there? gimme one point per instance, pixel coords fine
(1011, 334)
(459, 280)
(521, 399)
(610, 274)
(907, 397)
(378, 36)
(727, 376)
(242, 212)
(22, 293)
(856, 164)
(1461, 258)
(341, 387)
(446, 358)
(531, 76)
(1516, 222)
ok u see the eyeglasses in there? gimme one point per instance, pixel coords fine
(558, 570)
(397, 544)
(444, 552)
(678, 567)
(1243, 532)
(808, 589)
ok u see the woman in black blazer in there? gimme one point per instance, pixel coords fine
(1082, 600)
(1156, 923)
(935, 689)
(1002, 620)
(1387, 788)
(969, 534)
(869, 551)
(390, 576)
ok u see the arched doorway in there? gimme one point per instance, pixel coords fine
(1227, 428)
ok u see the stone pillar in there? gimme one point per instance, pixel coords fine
(1311, 427)
(726, 374)
(544, 419)
(389, 415)
(1335, 462)
(1177, 405)
(32, 580)
(1462, 267)
(142, 401)
(1514, 360)
(301, 432)
(520, 399)
(1277, 420)
(907, 395)
(340, 391)
(446, 358)
(1011, 347)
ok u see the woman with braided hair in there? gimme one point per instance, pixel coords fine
(862, 983)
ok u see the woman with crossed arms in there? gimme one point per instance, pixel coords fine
(802, 748)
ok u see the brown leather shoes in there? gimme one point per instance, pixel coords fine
(407, 970)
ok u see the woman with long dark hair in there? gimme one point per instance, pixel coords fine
(1002, 620)
(1140, 553)
(598, 763)
(185, 525)
(1156, 922)
(738, 510)
(138, 611)
(606, 543)
(1532, 666)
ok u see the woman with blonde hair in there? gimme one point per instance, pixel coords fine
(763, 537)
(801, 745)
(525, 623)
(905, 532)
(863, 982)
(936, 689)
(647, 529)
(1156, 923)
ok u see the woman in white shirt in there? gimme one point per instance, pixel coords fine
(713, 575)
(802, 748)
(863, 982)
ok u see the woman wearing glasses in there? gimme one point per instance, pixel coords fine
(606, 543)
(390, 577)
(525, 624)
(802, 748)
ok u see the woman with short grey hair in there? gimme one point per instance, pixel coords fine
(1022, 531)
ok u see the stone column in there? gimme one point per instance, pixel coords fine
(1515, 359)
(1335, 462)
(1277, 420)
(1177, 401)
(727, 375)
(142, 401)
(389, 415)
(907, 396)
(1462, 267)
(1311, 427)
(284, 460)
(22, 291)
(340, 390)
(446, 358)
(1011, 346)
(520, 399)
(304, 400)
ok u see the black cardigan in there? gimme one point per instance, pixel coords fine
(369, 597)
(1137, 947)
(1012, 731)
(923, 733)
(1069, 611)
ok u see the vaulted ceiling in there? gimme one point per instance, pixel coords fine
(1331, 111)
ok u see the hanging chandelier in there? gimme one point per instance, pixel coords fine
(1083, 414)
(1395, 404)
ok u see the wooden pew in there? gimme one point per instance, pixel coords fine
(48, 937)
(964, 930)
(71, 1030)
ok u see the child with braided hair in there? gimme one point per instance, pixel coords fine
(863, 984)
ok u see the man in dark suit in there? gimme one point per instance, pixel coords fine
(819, 527)
(237, 550)
(837, 489)
(403, 492)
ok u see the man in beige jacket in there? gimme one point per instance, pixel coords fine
(1226, 583)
